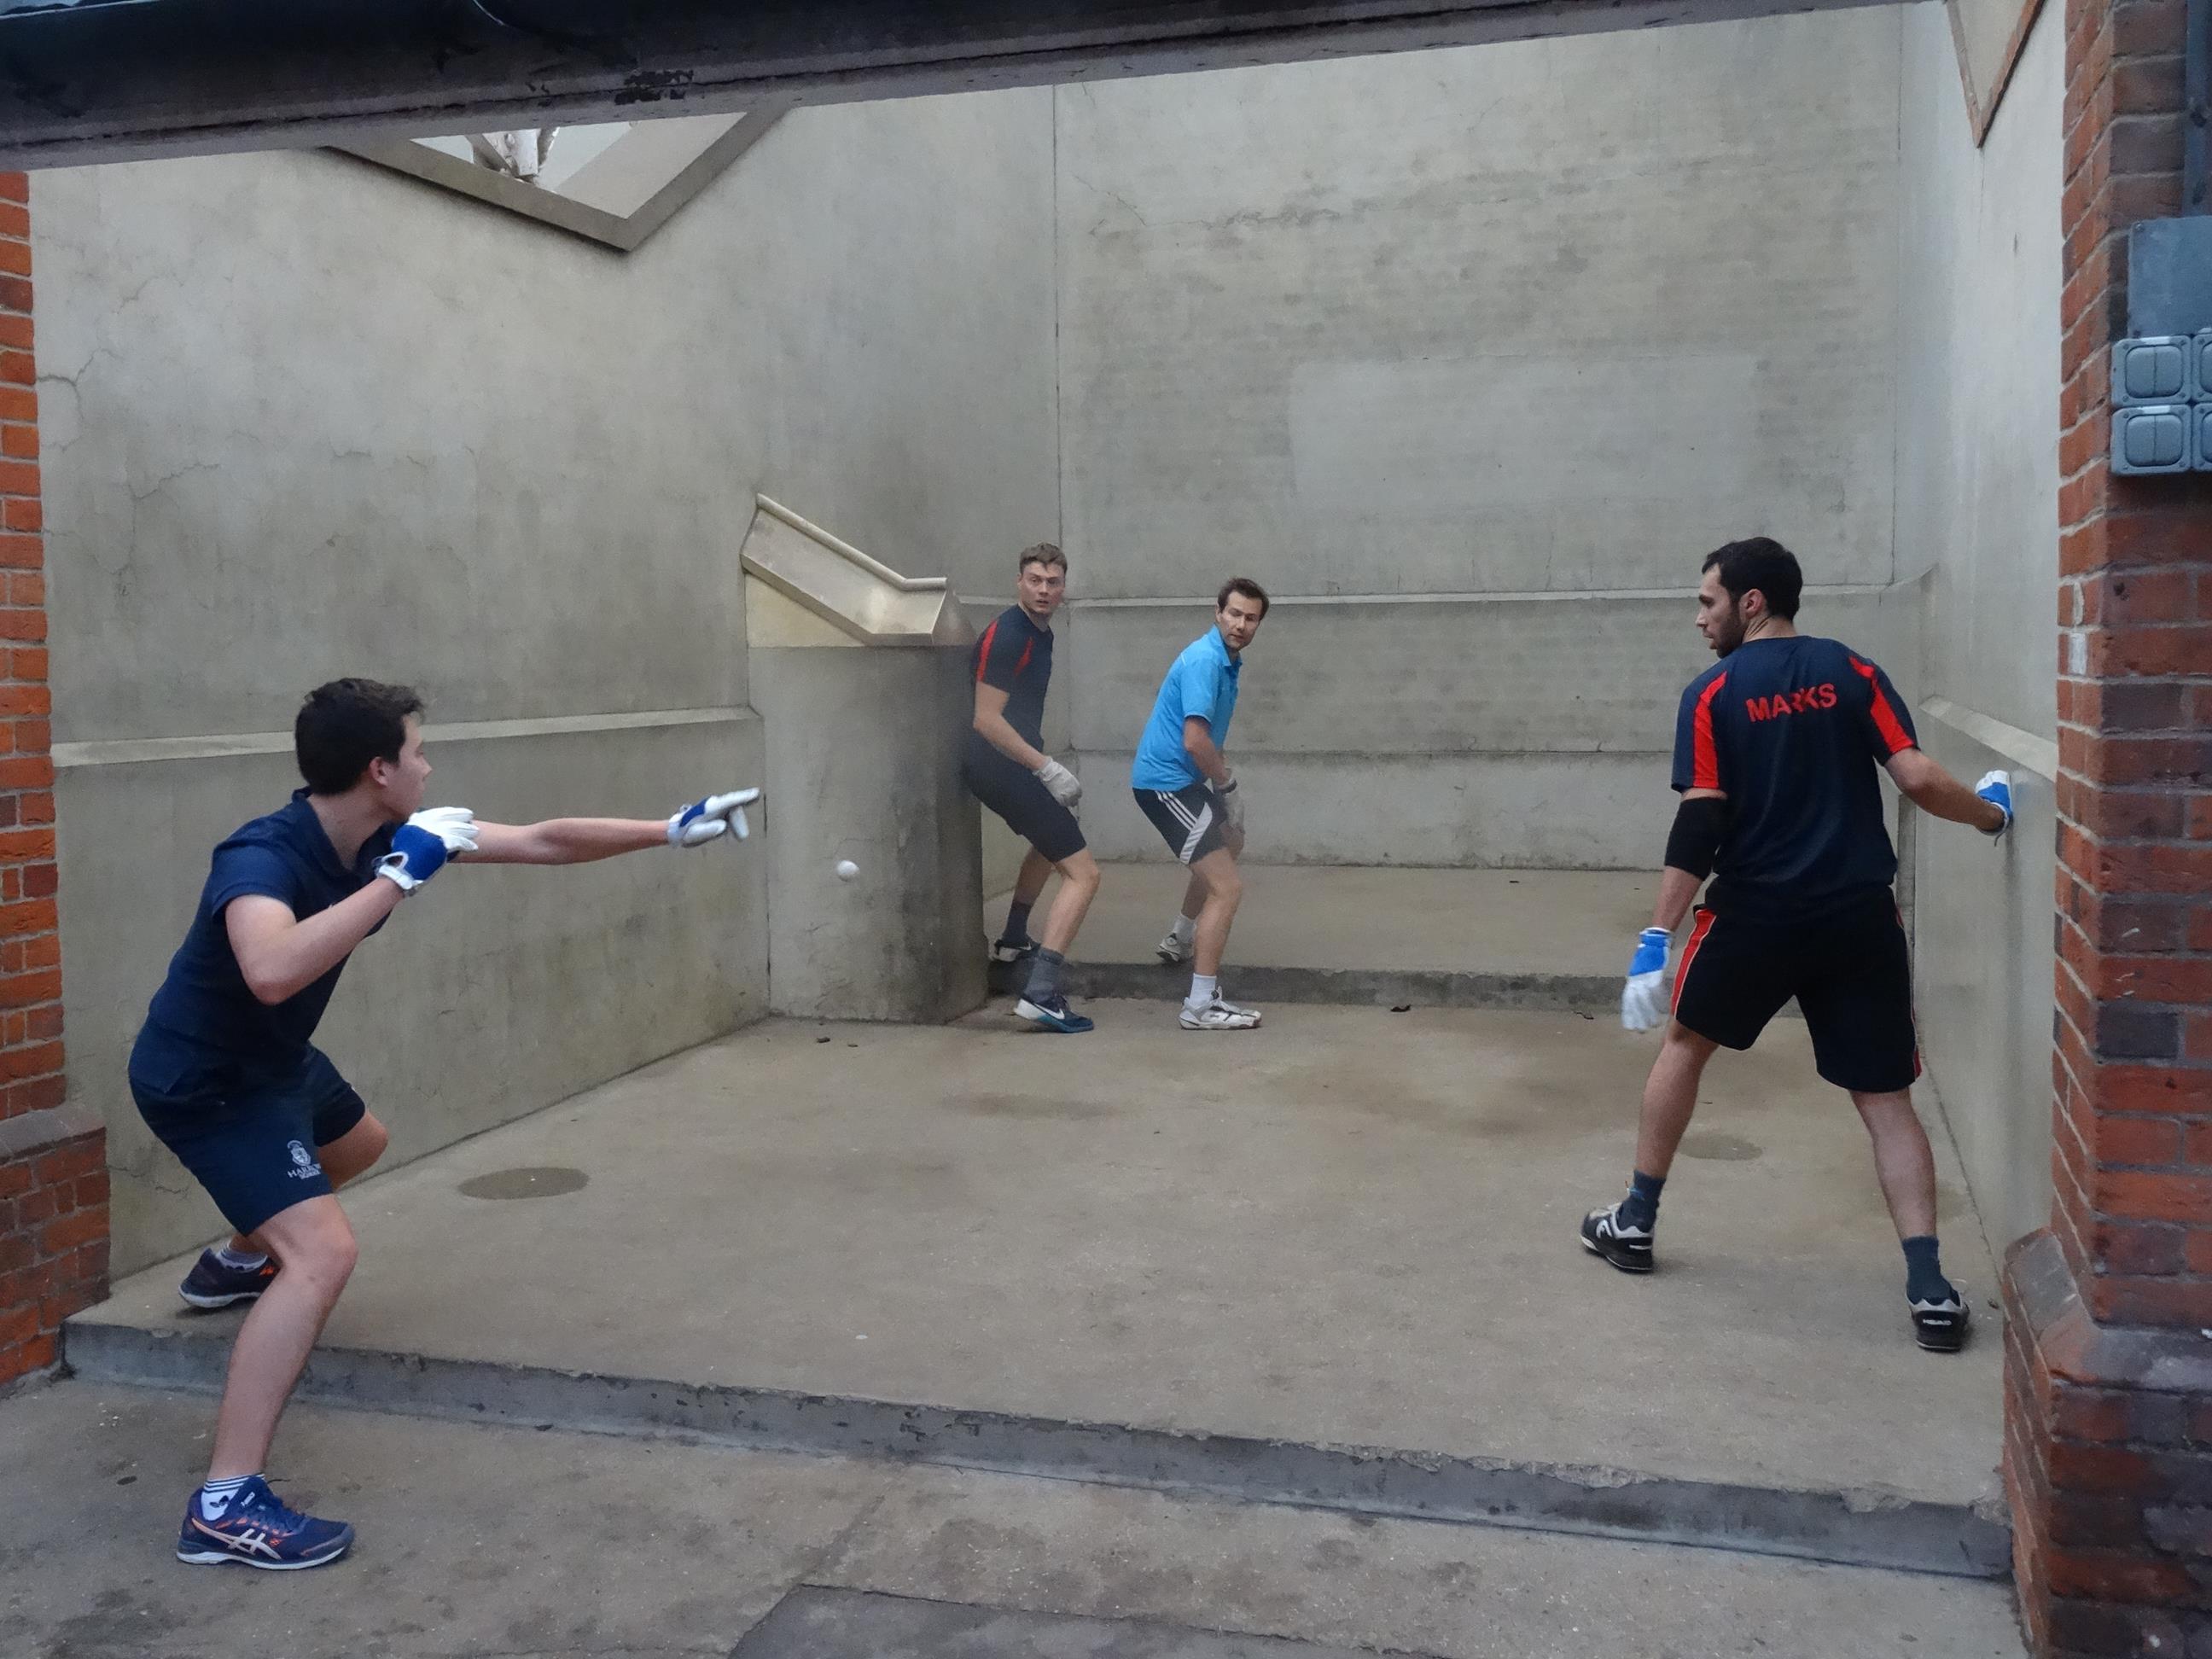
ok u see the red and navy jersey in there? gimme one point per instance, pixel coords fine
(1792, 730)
(1015, 655)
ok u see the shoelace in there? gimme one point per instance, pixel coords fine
(268, 1510)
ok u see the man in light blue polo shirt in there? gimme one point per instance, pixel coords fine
(1184, 785)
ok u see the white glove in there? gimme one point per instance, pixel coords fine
(420, 846)
(1231, 800)
(1643, 999)
(1062, 785)
(703, 821)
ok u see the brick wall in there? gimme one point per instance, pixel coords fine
(53, 1159)
(2108, 1456)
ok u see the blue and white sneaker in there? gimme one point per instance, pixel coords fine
(213, 1283)
(257, 1530)
(1053, 1014)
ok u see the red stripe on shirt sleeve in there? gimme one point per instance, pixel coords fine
(983, 649)
(1885, 717)
(1705, 758)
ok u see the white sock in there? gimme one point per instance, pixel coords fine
(1186, 928)
(221, 1492)
(231, 1258)
(1204, 987)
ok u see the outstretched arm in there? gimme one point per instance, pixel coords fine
(1936, 792)
(565, 840)
(583, 840)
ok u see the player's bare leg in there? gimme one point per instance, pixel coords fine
(1621, 1232)
(1670, 1096)
(1205, 1009)
(1041, 1002)
(1078, 885)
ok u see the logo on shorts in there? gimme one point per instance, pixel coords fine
(304, 1167)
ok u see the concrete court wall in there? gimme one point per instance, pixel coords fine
(1978, 478)
(1332, 325)
(304, 417)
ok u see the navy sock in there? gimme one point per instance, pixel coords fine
(1044, 977)
(1018, 922)
(1641, 1207)
(1924, 1273)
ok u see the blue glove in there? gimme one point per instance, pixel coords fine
(1644, 1002)
(420, 846)
(1996, 788)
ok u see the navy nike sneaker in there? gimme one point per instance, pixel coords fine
(1053, 1014)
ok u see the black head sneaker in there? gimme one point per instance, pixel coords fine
(1628, 1248)
(1940, 1326)
(212, 1284)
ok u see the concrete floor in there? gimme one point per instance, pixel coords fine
(1521, 921)
(1350, 1228)
(477, 1540)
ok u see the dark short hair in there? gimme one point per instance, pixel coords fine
(344, 725)
(1764, 563)
(1043, 553)
(1248, 588)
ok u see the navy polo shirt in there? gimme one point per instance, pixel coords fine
(204, 1017)
(1792, 729)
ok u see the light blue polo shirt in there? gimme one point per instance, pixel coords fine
(1203, 682)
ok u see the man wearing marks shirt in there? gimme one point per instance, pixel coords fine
(1775, 755)
(1007, 769)
(224, 1072)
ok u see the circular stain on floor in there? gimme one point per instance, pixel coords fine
(1725, 1149)
(543, 1181)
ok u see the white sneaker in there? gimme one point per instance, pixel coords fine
(1174, 948)
(1219, 1016)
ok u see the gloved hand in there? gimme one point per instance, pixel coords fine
(1231, 800)
(703, 821)
(1644, 1000)
(1996, 788)
(1061, 784)
(420, 846)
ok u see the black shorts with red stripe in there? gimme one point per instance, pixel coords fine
(1849, 968)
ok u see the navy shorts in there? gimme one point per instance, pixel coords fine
(1011, 790)
(1189, 819)
(1851, 972)
(250, 1138)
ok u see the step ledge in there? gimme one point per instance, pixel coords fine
(1844, 1529)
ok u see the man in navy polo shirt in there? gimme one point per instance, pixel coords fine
(1775, 751)
(1183, 784)
(224, 1072)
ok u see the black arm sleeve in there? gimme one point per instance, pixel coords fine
(1696, 836)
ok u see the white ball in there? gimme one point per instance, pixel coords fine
(847, 869)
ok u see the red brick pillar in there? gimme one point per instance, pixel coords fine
(53, 1158)
(2108, 1369)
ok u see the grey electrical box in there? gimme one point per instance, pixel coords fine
(2154, 438)
(2200, 433)
(2200, 366)
(2158, 370)
(2170, 274)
